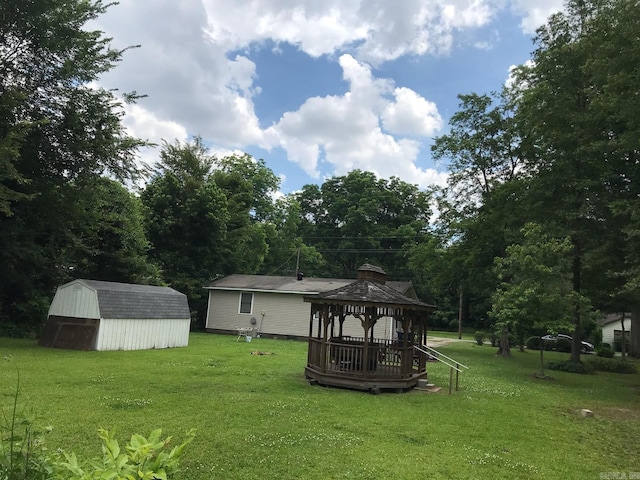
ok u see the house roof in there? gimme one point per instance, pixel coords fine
(132, 301)
(279, 284)
(613, 318)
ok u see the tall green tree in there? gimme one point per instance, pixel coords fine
(187, 217)
(480, 208)
(57, 131)
(360, 218)
(583, 157)
(110, 241)
(287, 252)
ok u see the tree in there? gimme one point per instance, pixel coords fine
(287, 252)
(480, 209)
(535, 291)
(57, 131)
(359, 218)
(571, 105)
(186, 220)
(111, 241)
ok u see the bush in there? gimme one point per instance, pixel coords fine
(615, 365)
(571, 367)
(533, 343)
(605, 351)
(479, 337)
(563, 345)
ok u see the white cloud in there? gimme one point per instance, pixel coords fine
(196, 68)
(355, 130)
(411, 114)
(535, 13)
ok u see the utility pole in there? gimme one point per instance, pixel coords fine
(460, 315)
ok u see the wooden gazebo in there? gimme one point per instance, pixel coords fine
(367, 362)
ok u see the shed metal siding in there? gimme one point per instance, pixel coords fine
(137, 334)
(75, 300)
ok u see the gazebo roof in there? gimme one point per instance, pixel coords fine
(368, 292)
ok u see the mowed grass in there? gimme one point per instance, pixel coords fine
(257, 418)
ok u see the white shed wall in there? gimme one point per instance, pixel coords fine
(75, 300)
(607, 330)
(120, 334)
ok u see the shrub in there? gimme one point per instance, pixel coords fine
(533, 343)
(479, 337)
(142, 458)
(571, 367)
(563, 345)
(605, 350)
(615, 365)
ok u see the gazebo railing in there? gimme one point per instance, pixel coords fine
(382, 359)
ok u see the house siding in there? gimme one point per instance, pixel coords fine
(285, 314)
(609, 329)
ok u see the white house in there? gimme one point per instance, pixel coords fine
(95, 315)
(612, 327)
(273, 305)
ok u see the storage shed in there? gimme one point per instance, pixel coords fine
(96, 315)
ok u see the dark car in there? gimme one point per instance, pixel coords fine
(586, 346)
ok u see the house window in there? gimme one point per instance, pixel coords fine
(246, 302)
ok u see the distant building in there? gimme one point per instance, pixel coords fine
(612, 327)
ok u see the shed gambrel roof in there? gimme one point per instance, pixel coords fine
(280, 284)
(132, 301)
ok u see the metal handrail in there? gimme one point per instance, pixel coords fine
(429, 349)
(426, 350)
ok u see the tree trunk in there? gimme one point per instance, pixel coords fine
(634, 332)
(623, 345)
(505, 349)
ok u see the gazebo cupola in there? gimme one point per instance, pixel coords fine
(344, 347)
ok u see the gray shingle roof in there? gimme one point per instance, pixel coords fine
(131, 301)
(268, 283)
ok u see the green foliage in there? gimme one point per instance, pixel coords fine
(359, 218)
(142, 459)
(571, 367)
(604, 350)
(58, 132)
(536, 292)
(615, 365)
(479, 337)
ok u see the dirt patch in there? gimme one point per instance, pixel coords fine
(618, 413)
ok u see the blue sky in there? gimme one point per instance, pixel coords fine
(315, 88)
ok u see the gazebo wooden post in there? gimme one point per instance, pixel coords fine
(325, 319)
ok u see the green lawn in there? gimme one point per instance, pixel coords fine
(257, 418)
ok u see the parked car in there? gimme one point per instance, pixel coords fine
(586, 346)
